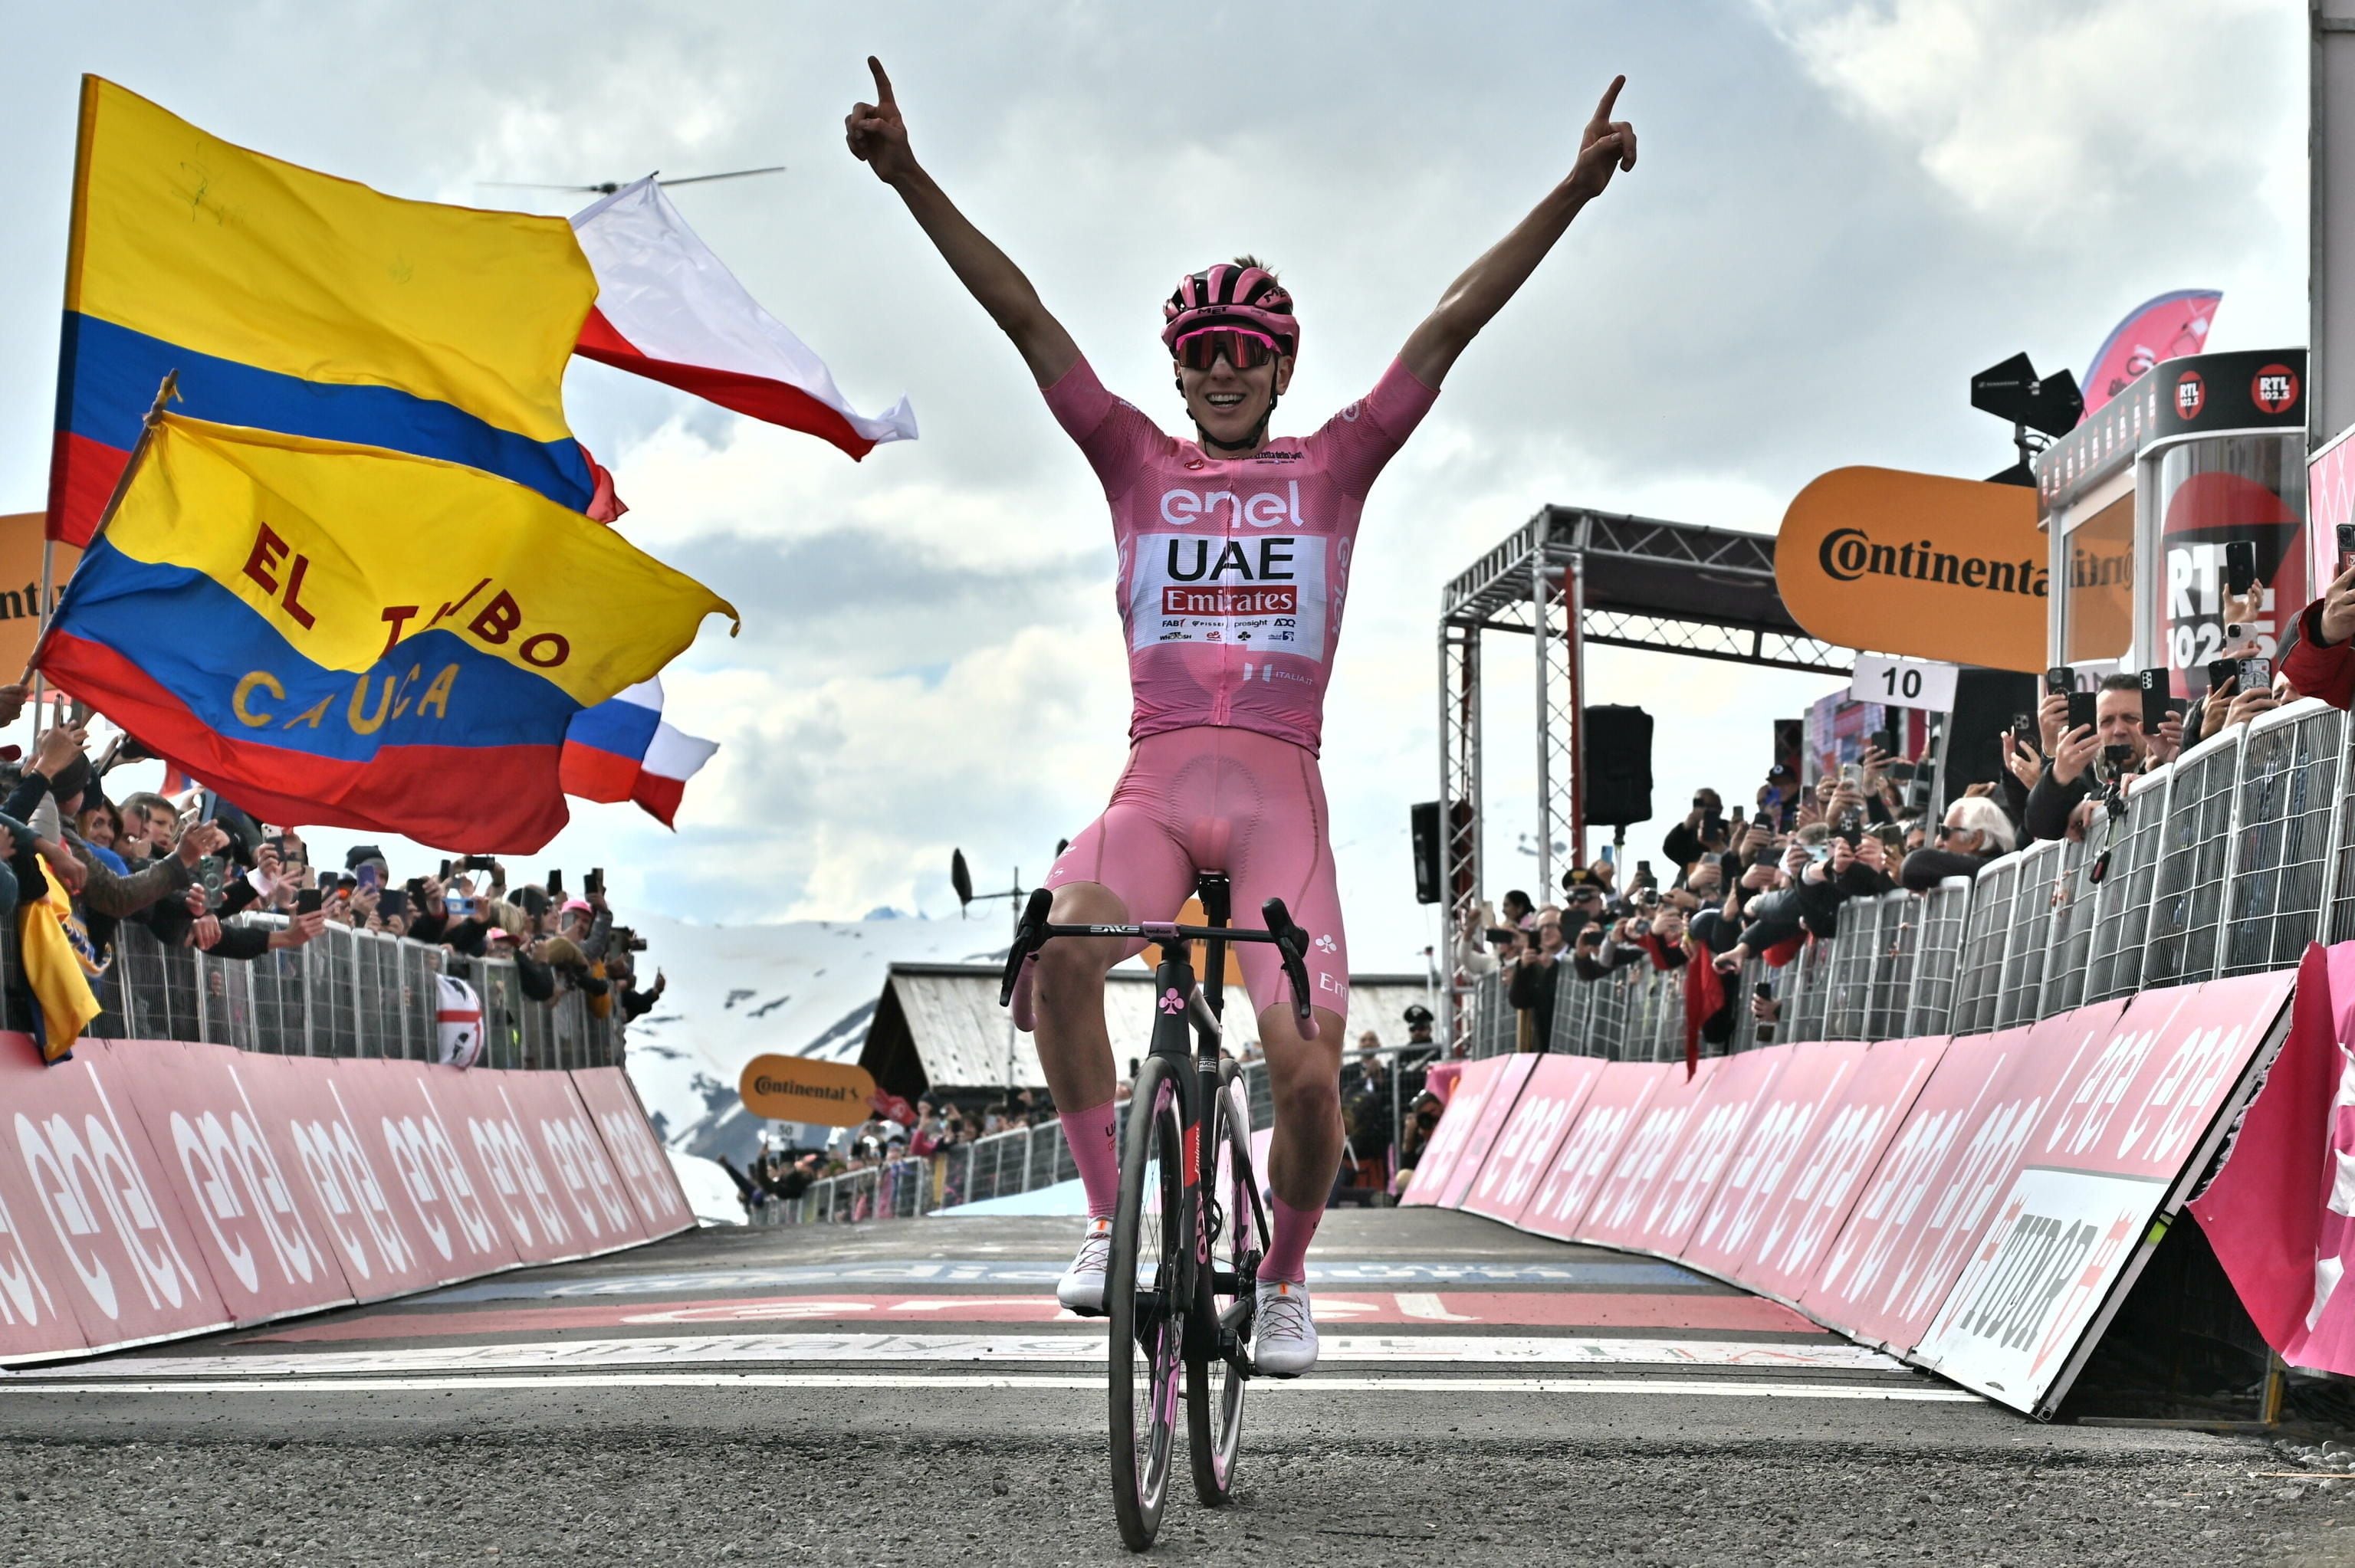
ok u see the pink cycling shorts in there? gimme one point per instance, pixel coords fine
(1214, 798)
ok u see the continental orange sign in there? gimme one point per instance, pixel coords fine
(796, 1088)
(1917, 564)
(20, 587)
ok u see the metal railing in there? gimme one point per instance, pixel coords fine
(344, 993)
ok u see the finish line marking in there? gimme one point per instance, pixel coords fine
(1711, 1388)
(557, 1355)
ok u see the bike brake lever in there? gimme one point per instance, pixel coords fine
(1292, 942)
(1028, 938)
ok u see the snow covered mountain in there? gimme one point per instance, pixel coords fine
(797, 989)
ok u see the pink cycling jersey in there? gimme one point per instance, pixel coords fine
(1232, 574)
(1233, 571)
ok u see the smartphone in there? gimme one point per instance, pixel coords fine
(2346, 543)
(1496, 934)
(1885, 741)
(307, 901)
(2154, 700)
(2257, 675)
(1852, 773)
(2240, 566)
(394, 902)
(2221, 670)
(446, 870)
(2023, 729)
(2060, 679)
(2081, 710)
(460, 905)
(368, 875)
(594, 886)
(555, 883)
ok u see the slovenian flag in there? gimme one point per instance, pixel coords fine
(668, 310)
(623, 750)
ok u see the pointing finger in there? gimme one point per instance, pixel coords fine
(1610, 97)
(882, 82)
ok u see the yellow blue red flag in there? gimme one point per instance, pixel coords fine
(344, 635)
(292, 300)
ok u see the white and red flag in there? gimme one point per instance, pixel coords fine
(623, 749)
(667, 309)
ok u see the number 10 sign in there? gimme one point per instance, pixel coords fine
(1903, 682)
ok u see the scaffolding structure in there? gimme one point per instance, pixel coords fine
(1567, 578)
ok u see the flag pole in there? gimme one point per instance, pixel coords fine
(169, 389)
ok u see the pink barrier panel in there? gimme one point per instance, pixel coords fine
(413, 1120)
(578, 1166)
(1798, 1176)
(1616, 1216)
(1577, 1165)
(2129, 1120)
(1669, 1203)
(1448, 1139)
(261, 1231)
(645, 1170)
(94, 1211)
(1503, 1091)
(352, 1168)
(1542, 1115)
(1934, 1194)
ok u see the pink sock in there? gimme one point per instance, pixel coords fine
(1287, 1250)
(1093, 1151)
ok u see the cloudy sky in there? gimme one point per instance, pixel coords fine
(1842, 210)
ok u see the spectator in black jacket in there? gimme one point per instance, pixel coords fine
(1976, 831)
(1531, 987)
(2069, 776)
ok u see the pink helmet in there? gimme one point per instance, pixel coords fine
(1230, 294)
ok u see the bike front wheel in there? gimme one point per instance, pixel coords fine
(1234, 1228)
(1143, 1299)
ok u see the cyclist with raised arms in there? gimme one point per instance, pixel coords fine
(1234, 554)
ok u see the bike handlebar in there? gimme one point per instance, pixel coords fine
(1035, 931)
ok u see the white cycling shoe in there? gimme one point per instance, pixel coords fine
(1082, 1288)
(1283, 1335)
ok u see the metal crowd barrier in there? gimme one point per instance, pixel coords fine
(344, 993)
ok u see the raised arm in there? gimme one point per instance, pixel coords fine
(1605, 147)
(879, 138)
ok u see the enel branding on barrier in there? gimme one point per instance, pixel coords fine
(154, 1188)
(1976, 1205)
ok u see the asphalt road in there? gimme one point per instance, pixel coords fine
(905, 1393)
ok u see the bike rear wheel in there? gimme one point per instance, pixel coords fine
(1235, 1228)
(1142, 1300)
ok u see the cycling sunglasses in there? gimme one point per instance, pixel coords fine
(1244, 349)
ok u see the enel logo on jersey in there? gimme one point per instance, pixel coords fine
(1264, 510)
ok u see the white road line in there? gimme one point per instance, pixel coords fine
(1709, 1389)
(723, 1349)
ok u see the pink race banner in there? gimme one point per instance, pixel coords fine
(153, 1189)
(1585, 1156)
(1504, 1092)
(1541, 1117)
(1790, 1118)
(1670, 1204)
(1441, 1156)
(2281, 1214)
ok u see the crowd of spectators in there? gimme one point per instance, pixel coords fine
(1759, 887)
(182, 870)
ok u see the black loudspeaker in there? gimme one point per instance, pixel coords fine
(1617, 757)
(1985, 700)
(1423, 826)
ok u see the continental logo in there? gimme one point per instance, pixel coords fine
(833, 1093)
(1850, 554)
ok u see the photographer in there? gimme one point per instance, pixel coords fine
(2117, 721)
(1703, 831)
(1531, 987)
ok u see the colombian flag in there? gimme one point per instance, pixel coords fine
(292, 301)
(344, 635)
